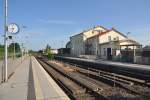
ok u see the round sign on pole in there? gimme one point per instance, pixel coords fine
(13, 28)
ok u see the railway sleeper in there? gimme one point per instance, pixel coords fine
(117, 77)
(78, 80)
(87, 89)
(128, 80)
(121, 82)
(124, 86)
(112, 77)
(74, 88)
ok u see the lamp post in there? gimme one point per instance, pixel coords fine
(5, 40)
(12, 28)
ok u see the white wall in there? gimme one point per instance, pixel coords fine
(93, 32)
(93, 43)
(54, 51)
(113, 34)
(77, 45)
(78, 41)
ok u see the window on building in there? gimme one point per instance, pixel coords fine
(109, 38)
(117, 38)
(92, 32)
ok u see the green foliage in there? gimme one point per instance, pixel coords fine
(50, 56)
(18, 55)
(10, 50)
(1, 51)
(1, 46)
(48, 52)
(11, 47)
(48, 49)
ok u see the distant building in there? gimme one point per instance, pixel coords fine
(78, 41)
(100, 42)
(64, 51)
(54, 51)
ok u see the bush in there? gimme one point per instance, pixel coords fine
(50, 56)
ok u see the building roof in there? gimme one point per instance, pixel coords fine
(118, 32)
(129, 40)
(89, 30)
(120, 41)
(102, 33)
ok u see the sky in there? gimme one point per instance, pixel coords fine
(54, 21)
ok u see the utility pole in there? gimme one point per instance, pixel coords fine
(5, 39)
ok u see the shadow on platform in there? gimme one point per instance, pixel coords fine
(31, 87)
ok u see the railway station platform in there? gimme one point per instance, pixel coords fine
(31, 82)
(124, 64)
(106, 62)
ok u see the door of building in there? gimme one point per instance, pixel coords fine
(109, 56)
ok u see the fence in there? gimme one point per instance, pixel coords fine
(143, 57)
(139, 56)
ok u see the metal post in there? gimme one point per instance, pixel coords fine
(114, 79)
(88, 71)
(5, 39)
(75, 68)
(99, 73)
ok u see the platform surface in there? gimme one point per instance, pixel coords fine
(12, 65)
(120, 64)
(31, 82)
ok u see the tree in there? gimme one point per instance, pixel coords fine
(11, 47)
(1, 46)
(48, 49)
(1, 51)
(48, 52)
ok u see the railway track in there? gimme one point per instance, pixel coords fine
(136, 86)
(129, 84)
(134, 71)
(73, 89)
(105, 85)
(120, 78)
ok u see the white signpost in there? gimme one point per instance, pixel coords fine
(12, 28)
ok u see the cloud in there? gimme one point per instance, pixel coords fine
(64, 22)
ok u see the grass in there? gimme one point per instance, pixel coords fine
(1, 53)
(10, 54)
